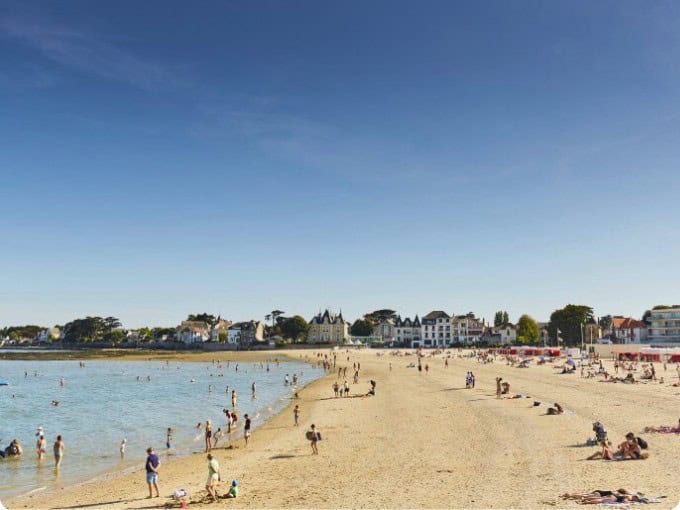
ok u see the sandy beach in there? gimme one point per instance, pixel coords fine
(423, 442)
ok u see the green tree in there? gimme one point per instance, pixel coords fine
(527, 330)
(116, 336)
(222, 336)
(294, 328)
(498, 318)
(203, 317)
(378, 316)
(159, 332)
(569, 321)
(506, 318)
(145, 334)
(361, 327)
(89, 329)
(605, 322)
(111, 323)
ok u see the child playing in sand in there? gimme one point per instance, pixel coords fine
(233, 492)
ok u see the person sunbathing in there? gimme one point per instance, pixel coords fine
(664, 429)
(604, 496)
(605, 454)
(555, 410)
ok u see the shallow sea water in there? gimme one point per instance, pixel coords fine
(103, 402)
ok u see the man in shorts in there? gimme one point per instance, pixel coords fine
(152, 465)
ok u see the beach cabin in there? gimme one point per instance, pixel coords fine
(627, 355)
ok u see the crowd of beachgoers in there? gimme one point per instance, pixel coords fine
(343, 369)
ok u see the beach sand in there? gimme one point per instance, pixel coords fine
(423, 442)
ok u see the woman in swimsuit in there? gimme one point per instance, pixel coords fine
(605, 454)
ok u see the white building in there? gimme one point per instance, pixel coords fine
(48, 334)
(221, 326)
(407, 332)
(435, 330)
(385, 330)
(191, 332)
(664, 325)
(506, 333)
(466, 329)
(626, 330)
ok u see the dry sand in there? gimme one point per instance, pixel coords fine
(424, 442)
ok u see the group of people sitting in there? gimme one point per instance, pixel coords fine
(13, 450)
(630, 449)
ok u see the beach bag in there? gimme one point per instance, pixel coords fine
(643, 444)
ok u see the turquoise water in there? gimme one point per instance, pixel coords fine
(103, 402)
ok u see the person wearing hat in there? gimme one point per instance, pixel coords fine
(233, 492)
(152, 465)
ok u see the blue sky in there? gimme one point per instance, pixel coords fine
(162, 158)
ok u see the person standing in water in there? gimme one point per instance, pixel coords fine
(58, 451)
(252, 388)
(233, 399)
(246, 428)
(208, 436)
(41, 447)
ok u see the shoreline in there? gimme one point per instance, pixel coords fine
(130, 466)
(424, 441)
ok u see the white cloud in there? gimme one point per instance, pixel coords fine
(85, 52)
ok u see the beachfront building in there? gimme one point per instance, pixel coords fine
(626, 330)
(664, 325)
(385, 330)
(504, 334)
(407, 332)
(192, 332)
(245, 334)
(328, 329)
(48, 335)
(466, 329)
(435, 329)
(220, 328)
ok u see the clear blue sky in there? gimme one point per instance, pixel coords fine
(160, 158)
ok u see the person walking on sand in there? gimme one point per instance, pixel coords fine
(498, 387)
(313, 435)
(213, 477)
(246, 428)
(152, 464)
(296, 415)
(208, 435)
(58, 451)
